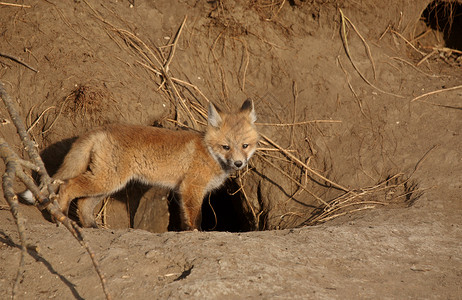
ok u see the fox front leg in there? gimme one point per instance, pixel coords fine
(191, 197)
(192, 217)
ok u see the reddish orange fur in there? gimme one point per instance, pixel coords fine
(104, 160)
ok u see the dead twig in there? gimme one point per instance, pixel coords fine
(298, 123)
(7, 184)
(360, 104)
(38, 118)
(293, 180)
(295, 94)
(368, 49)
(414, 67)
(18, 61)
(165, 69)
(347, 50)
(303, 165)
(15, 5)
(346, 203)
(426, 57)
(247, 61)
(407, 42)
(256, 217)
(423, 158)
(175, 42)
(436, 92)
(14, 168)
(330, 217)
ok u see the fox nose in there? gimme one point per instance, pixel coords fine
(238, 163)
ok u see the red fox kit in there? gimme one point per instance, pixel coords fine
(104, 160)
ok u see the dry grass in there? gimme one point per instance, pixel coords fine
(268, 9)
(87, 103)
(345, 24)
(394, 190)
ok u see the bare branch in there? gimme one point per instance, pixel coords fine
(7, 184)
(45, 196)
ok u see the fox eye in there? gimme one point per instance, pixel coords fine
(245, 146)
(226, 147)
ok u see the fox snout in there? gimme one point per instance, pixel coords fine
(238, 164)
(229, 159)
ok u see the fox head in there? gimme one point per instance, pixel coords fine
(232, 138)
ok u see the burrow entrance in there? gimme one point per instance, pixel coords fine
(444, 24)
(222, 210)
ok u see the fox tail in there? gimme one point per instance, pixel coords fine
(75, 163)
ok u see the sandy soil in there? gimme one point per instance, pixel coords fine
(289, 58)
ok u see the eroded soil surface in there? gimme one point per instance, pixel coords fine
(291, 59)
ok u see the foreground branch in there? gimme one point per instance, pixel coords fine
(7, 185)
(45, 196)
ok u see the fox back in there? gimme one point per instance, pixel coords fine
(104, 160)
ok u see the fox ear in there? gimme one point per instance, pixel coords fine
(248, 107)
(214, 117)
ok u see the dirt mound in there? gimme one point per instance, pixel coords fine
(339, 90)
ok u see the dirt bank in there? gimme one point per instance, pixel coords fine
(334, 85)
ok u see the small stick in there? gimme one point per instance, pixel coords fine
(18, 61)
(423, 158)
(445, 49)
(279, 158)
(442, 105)
(294, 113)
(241, 187)
(294, 181)
(368, 49)
(385, 32)
(407, 42)
(343, 206)
(345, 213)
(244, 72)
(421, 36)
(302, 164)
(7, 185)
(437, 91)
(39, 117)
(347, 50)
(179, 81)
(291, 213)
(176, 80)
(414, 67)
(426, 57)
(13, 163)
(15, 5)
(175, 41)
(298, 123)
(272, 149)
(59, 113)
(360, 104)
(165, 70)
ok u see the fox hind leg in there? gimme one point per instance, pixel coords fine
(90, 189)
(86, 207)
